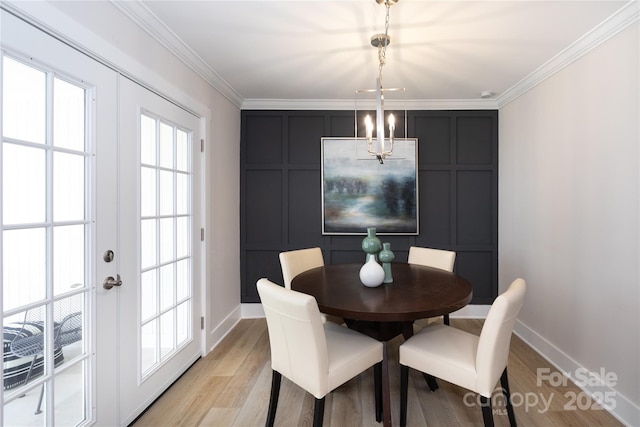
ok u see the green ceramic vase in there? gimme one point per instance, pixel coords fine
(386, 256)
(371, 244)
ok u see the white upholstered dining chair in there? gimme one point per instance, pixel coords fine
(298, 261)
(464, 359)
(316, 356)
(438, 258)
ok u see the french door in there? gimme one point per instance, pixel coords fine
(99, 250)
(159, 152)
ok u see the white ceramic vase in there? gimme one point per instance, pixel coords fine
(371, 273)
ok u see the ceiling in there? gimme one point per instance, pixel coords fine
(319, 52)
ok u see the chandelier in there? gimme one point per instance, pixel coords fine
(381, 147)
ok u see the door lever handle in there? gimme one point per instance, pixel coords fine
(110, 282)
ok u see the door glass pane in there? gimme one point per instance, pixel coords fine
(166, 145)
(148, 245)
(18, 410)
(26, 166)
(70, 392)
(165, 225)
(69, 319)
(24, 263)
(26, 360)
(68, 120)
(148, 140)
(182, 234)
(68, 187)
(148, 295)
(23, 102)
(166, 193)
(70, 380)
(149, 348)
(167, 248)
(182, 280)
(167, 333)
(182, 191)
(166, 287)
(182, 323)
(148, 195)
(68, 258)
(182, 150)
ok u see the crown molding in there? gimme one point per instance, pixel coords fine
(150, 23)
(625, 16)
(142, 16)
(349, 104)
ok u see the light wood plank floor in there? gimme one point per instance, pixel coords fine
(230, 387)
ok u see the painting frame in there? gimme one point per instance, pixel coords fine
(359, 192)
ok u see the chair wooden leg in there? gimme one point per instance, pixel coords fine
(276, 379)
(407, 330)
(377, 384)
(404, 385)
(318, 412)
(445, 319)
(504, 382)
(431, 381)
(487, 416)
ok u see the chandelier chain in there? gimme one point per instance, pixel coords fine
(382, 46)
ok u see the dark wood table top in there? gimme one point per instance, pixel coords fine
(417, 292)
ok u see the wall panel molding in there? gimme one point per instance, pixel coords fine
(280, 175)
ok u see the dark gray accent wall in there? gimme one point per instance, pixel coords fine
(280, 186)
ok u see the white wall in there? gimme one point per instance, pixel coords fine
(569, 215)
(223, 236)
(104, 31)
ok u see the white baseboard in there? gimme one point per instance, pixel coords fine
(252, 311)
(219, 332)
(619, 405)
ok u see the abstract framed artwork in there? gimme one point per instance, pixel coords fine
(359, 192)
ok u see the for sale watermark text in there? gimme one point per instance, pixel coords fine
(580, 377)
(599, 384)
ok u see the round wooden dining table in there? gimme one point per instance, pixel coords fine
(386, 311)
